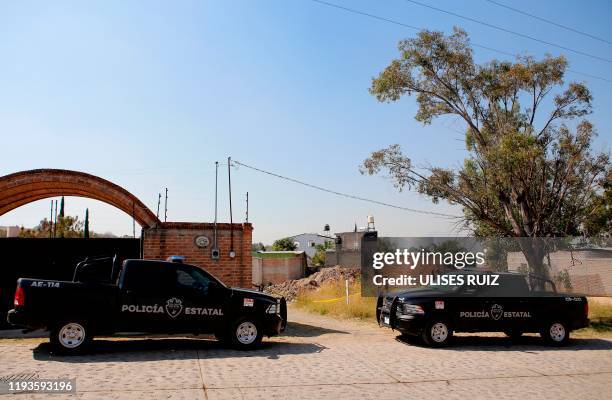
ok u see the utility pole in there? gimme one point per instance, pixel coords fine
(158, 202)
(215, 250)
(232, 254)
(166, 207)
(247, 207)
(51, 222)
(55, 226)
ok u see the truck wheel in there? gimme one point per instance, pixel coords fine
(245, 334)
(555, 333)
(437, 333)
(70, 337)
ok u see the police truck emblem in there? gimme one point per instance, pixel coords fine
(496, 311)
(174, 307)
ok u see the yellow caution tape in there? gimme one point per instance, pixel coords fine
(332, 300)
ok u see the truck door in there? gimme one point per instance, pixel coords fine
(204, 300)
(471, 311)
(506, 304)
(146, 288)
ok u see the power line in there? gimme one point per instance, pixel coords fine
(394, 22)
(350, 196)
(352, 10)
(499, 28)
(516, 10)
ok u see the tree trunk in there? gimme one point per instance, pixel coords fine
(534, 250)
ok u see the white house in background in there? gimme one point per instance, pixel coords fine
(306, 242)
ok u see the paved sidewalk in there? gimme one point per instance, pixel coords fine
(322, 358)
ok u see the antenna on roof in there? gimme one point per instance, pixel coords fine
(247, 207)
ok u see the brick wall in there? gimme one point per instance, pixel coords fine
(178, 238)
(277, 270)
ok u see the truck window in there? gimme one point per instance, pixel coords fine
(192, 278)
(148, 277)
(509, 286)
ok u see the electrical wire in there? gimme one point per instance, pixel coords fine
(350, 196)
(499, 28)
(516, 10)
(394, 22)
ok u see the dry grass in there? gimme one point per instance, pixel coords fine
(330, 300)
(600, 314)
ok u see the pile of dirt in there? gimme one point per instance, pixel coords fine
(290, 289)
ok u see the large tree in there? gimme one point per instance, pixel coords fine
(530, 171)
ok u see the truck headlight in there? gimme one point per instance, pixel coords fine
(271, 309)
(413, 309)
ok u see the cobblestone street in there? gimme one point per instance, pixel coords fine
(322, 358)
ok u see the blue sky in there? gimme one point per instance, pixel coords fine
(150, 94)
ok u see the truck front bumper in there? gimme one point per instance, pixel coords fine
(406, 324)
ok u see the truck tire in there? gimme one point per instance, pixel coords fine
(437, 333)
(245, 334)
(70, 337)
(555, 333)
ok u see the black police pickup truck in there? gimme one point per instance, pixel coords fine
(435, 312)
(149, 297)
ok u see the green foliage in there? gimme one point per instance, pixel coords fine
(599, 221)
(86, 225)
(527, 173)
(319, 258)
(285, 244)
(68, 226)
(61, 211)
(563, 279)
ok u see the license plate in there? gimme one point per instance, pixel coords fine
(386, 320)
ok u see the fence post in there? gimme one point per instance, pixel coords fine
(347, 291)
